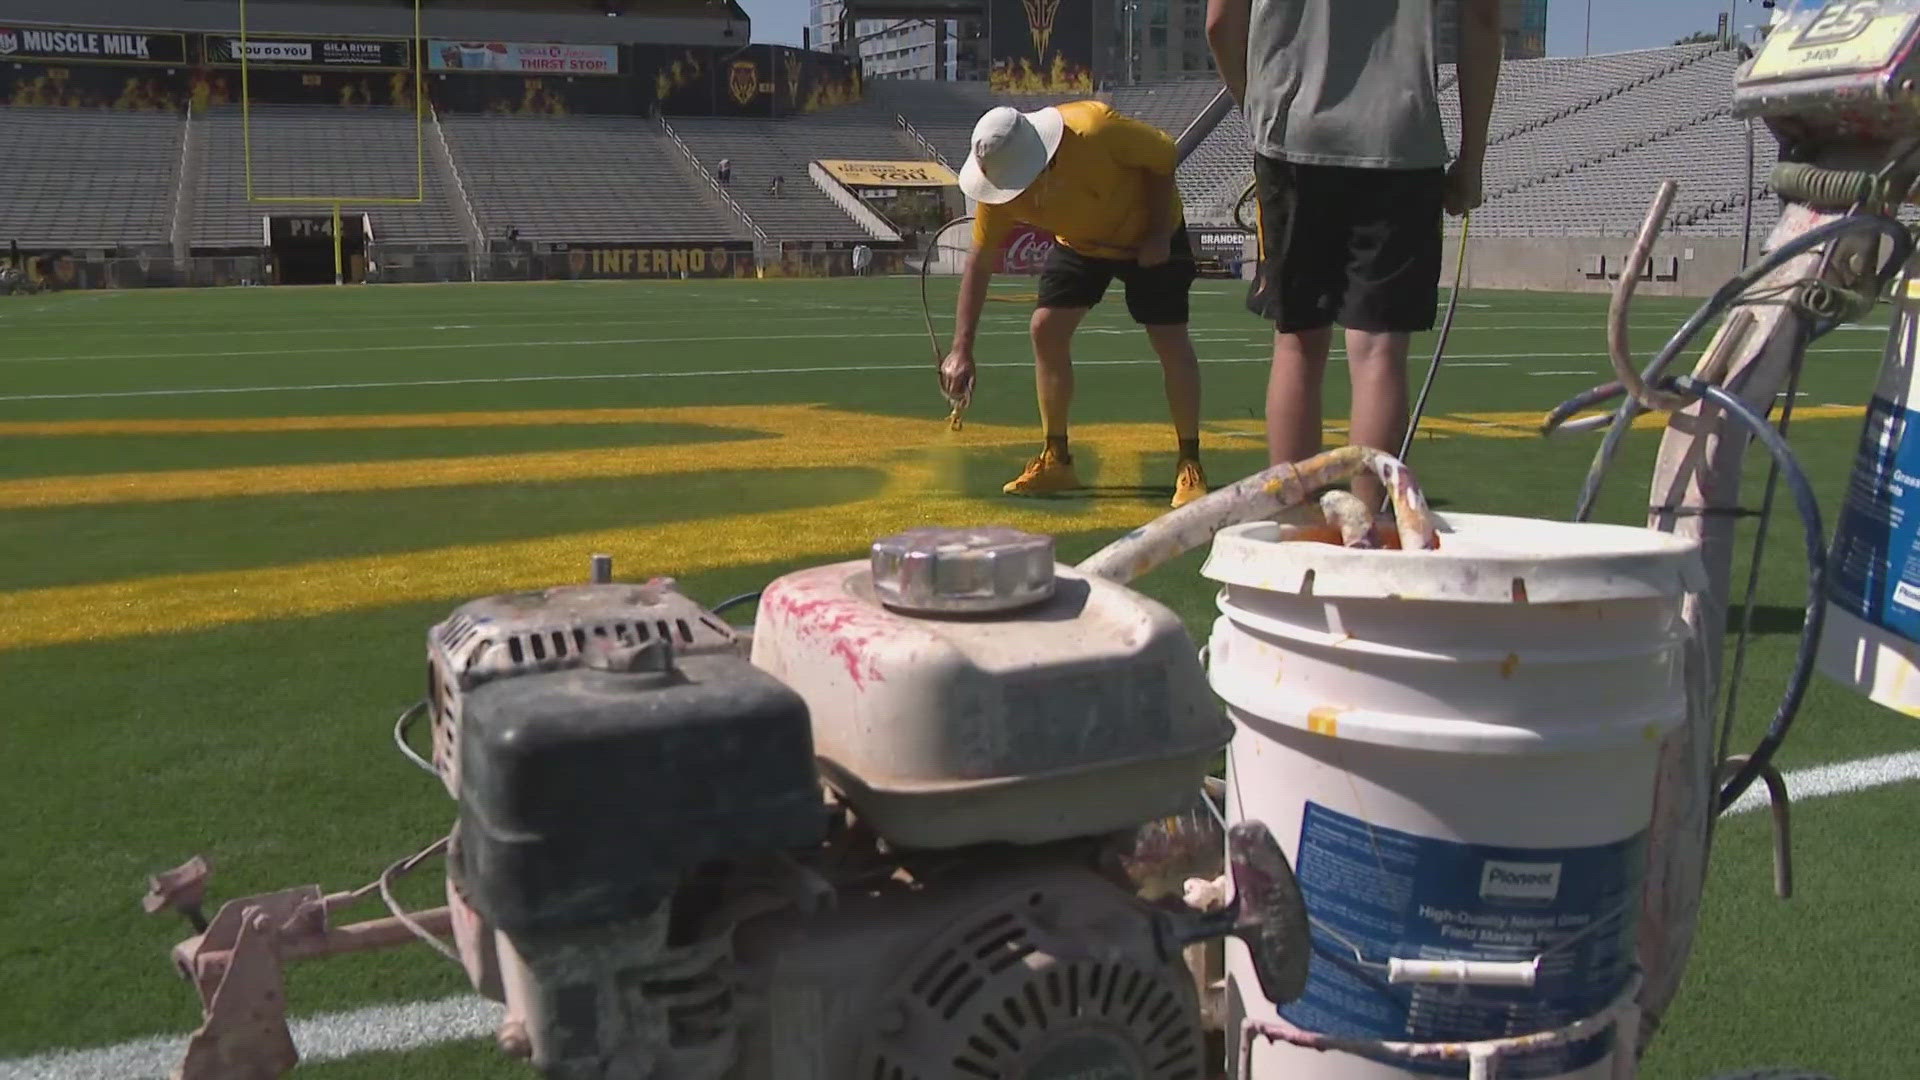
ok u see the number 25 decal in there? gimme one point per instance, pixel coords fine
(1839, 21)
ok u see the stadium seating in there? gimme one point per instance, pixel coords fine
(88, 179)
(583, 178)
(762, 149)
(317, 151)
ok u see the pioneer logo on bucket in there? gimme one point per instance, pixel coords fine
(1525, 881)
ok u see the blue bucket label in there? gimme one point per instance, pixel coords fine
(1387, 893)
(1874, 572)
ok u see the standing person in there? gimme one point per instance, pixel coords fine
(1351, 169)
(724, 172)
(862, 258)
(1103, 183)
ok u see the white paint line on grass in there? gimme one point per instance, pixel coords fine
(324, 1037)
(400, 1027)
(1840, 778)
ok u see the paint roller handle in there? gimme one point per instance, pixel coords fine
(1464, 972)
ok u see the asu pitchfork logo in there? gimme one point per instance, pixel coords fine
(1040, 15)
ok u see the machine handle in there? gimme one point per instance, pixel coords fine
(1464, 972)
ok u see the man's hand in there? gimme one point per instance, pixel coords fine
(1155, 250)
(956, 376)
(1462, 192)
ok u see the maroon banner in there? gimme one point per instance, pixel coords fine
(1025, 251)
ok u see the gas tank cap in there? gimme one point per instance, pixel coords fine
(944, 571)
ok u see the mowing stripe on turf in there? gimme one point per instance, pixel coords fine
(711, 373)
(414, 1025)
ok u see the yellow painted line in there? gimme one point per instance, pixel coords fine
(781, 438)
(178, 603)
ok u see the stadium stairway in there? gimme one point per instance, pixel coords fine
(762, 149)
(582, 179)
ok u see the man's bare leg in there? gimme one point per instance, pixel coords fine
(1377, 367)
(1052, 330)
(1293, 394)
(1180, 371)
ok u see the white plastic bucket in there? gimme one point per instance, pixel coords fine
(1457, 750)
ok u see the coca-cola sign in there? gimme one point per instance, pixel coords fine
(1025, 250)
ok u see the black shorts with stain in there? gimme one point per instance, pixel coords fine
(1156, 295)
(1358, 247)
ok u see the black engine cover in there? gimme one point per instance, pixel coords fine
(585, 794)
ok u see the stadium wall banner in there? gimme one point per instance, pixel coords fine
(720, 259)
(1025, 250)
(889, 174)
(1040, 46)
(91, 45)
(523, 58)
(388, 54)
(1220, 243)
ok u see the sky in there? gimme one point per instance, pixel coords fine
(1617, 24)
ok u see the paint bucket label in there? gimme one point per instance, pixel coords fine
(1383, 893)
(1874, 572)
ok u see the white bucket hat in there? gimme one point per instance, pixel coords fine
(1010, 149)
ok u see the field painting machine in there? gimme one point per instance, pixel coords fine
(946, 811)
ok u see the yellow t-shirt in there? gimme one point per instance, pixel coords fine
(1093, 196)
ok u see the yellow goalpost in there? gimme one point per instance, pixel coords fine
(416, 70)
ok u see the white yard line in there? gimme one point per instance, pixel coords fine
(716, 373)
(409, 1026)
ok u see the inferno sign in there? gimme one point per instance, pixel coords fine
(723, 259)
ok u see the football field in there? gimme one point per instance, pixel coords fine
(228, 517)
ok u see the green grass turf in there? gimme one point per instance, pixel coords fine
(265, 744)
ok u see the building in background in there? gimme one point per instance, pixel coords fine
(895, 48)
(1156, 40)
(1523, 22)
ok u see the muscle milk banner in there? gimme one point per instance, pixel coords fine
(1040, 46)
(95, 46)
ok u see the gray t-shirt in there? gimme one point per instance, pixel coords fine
(1345, 82)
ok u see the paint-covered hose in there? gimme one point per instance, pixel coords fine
(1723, 298)
(1259, 497)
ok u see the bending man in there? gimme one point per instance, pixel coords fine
(1103, 184)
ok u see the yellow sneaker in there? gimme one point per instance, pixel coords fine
(1044, 475)
(1189, 484)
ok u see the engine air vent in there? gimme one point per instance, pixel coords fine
(1003, 997)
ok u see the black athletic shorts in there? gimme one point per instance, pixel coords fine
(1156, 295)
(1358, 247)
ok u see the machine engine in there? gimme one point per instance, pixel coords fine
(902, 842)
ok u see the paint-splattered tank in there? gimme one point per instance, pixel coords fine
(965, 688)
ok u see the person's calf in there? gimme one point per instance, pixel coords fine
(1180, 374)
(1377, 370)
(1293, 394)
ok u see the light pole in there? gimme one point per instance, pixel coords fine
(1587, 49)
